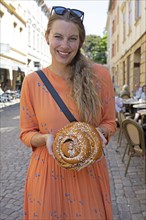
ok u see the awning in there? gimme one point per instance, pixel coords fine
(9, 64)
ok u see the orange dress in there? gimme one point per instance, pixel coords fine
(52, 192)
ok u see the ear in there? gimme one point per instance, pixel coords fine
(47, 37)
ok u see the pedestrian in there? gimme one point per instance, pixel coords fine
(1, 91)
(137, 91)
(52, 192)
(118, 102)
(125, 93)
(143, 94)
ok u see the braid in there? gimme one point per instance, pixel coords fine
(84, 90)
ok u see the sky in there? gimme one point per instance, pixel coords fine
(95, 16)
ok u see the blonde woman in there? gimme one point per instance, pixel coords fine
(52, 192)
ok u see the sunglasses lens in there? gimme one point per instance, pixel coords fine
(59, 10)
(77, 13)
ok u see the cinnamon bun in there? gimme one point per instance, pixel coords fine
(77, 145)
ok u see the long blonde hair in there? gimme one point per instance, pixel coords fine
(81, 75)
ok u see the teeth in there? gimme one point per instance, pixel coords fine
(63, 53)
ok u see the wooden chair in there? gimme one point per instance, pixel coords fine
(136, 145)
(121, 118)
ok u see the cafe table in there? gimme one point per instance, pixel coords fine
(128, 103)
(142, 113)
(140, 106)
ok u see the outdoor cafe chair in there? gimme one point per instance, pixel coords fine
(121, 118)
(135, 142)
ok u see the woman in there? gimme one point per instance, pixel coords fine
(125, 93)
(143, 94)
(52, 192)
(137, 91)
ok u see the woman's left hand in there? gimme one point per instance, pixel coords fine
(49, 143)
(104, 140)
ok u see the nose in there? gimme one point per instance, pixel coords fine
(65, 43)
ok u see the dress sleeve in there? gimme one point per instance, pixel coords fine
(28, 120)
(108, 118)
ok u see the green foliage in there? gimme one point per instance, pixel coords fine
(95, 48)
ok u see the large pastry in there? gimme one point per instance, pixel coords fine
(77, 145)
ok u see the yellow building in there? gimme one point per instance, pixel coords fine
(126, 27)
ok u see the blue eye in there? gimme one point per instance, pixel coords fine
(58, 36)
(73, 39)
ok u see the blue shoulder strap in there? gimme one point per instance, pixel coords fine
(56, 96)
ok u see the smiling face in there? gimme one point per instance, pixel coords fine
(64, 42)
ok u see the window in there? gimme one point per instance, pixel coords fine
(29, 36)
(14, 24)
(118, 15)
(130, 15)
(137, 9)
(124, 72)
(1, 14)
(113, 26)
(15, 33)
(38, 42)
(113, 50)
(20, 32)
(124, 26)
(117, 43)
(34, 38)
(128, 69)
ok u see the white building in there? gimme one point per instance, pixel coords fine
(23, 46)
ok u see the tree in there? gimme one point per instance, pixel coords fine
(95, 48)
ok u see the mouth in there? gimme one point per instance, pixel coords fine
(64, 54)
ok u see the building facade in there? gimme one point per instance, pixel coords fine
(23, 46)
(126, 28)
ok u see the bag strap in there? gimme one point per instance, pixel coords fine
(56, 96)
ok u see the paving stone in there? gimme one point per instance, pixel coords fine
(3, 216)
(137, 217)
(6, 211)
(122, 200)
(125, 215)
(116, 217)
(141, 196)
(144, 214)
(123, 207)
(119, 192)
(135, 207)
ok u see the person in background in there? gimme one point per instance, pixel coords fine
(142, 99)
(1, 91)
(125, 93)
(137, 91)
(143, 94)
(118, 105)
(118, 102)
(52, 192)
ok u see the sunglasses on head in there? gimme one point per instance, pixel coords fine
(59, 10)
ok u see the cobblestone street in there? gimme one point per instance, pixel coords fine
(14, 162)
(128, 193)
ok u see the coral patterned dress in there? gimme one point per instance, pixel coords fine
(52, 192)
